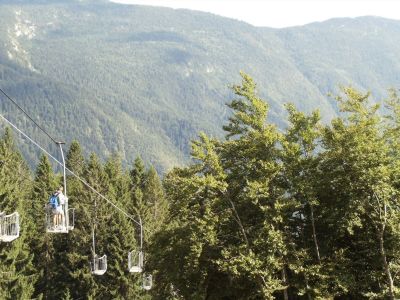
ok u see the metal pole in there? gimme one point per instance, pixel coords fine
(93, 237)
(94, 243)
(141, 254)
(66, 216)
(94, 227)
(141, 233)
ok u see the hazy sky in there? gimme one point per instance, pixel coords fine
(283, 13)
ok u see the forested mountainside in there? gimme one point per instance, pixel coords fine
(259, 214)
(145, 80)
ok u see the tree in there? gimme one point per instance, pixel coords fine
(357, 171)
(251, 161)
(156, 205)
(184, 253)
(17, 274)
(73, 249)
(301, 178)
(41, 243)
(119, 235)
(227, 213)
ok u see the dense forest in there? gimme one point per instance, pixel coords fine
(308, 212)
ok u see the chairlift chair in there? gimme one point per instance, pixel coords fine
(71, 219)
(68, 219)
(135, 261)
(147, 282)
(51, 227)
(99, 265)
(9, 227)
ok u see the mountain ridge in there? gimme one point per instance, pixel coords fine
(143, 81)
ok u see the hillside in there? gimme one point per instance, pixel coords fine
(143, 80)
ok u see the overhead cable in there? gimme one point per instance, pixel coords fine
(29, 117)
(72, 173)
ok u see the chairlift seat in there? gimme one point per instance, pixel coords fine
(64, 228)
(57, 229)
(99, 272)
(135, 269)
(71, 218)
(99, 265)
(135, 261)
(147, 282)
(9, 227)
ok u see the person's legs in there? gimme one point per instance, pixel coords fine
(55, 219)
(60, 219)
(60, 216)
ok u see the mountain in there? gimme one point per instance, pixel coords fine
(141, 80)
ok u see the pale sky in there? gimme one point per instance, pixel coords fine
(283, 13)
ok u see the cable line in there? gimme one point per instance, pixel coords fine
(72, 173)
(30, 118)
(99, 263)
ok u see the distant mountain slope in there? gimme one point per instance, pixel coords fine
(144, 80)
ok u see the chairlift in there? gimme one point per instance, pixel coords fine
(67, 223)
(9, 227)
(147, 282)
(136, 257)
(135, 261)
(52, 225)
(99, 265)
(63, 221)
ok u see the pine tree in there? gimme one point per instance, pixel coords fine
(73, 249)
(118, 235)
(17, 277)
(136, 206)
(41, 243)
(153, 215)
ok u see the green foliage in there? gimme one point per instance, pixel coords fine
(56, 266)
(17, 274)
(310, 213)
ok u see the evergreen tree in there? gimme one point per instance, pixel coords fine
(73, 249)
(17, 274)
(41, 243)
(116, 236)
(153, 215)
(136, 207)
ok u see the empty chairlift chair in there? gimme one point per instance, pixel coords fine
(147, 282)
(71, 218)
(135, 261)
(99, 265)
(9, 227)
